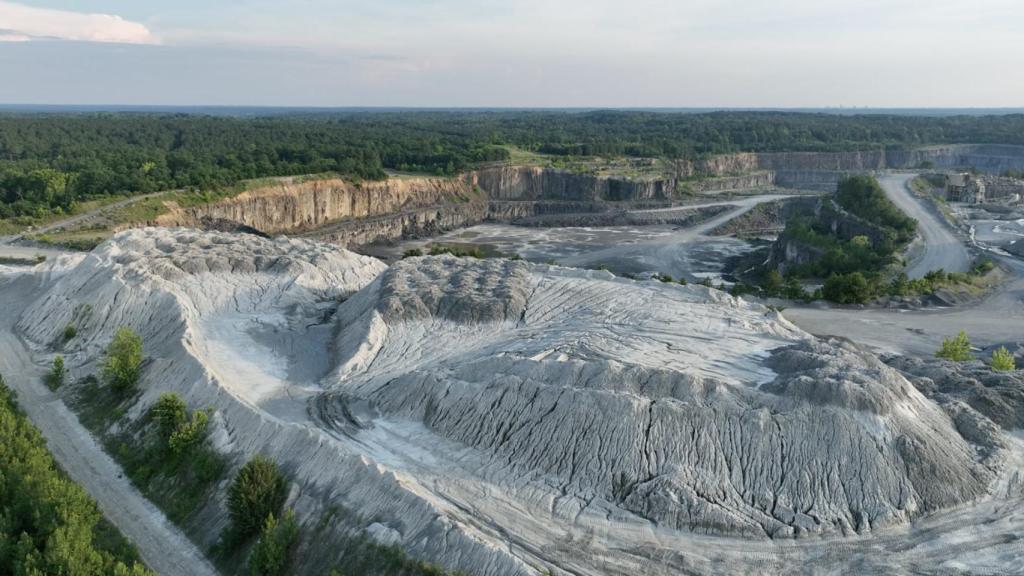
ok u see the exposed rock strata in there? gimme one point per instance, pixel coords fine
(360, 213)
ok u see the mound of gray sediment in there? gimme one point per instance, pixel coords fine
(997, 395)
(680, 405)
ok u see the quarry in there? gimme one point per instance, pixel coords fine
(557, 409)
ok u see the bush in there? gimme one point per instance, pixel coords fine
(179, 432)
(1003, 360)
(850, 288)
(170, 414)
(70, 331)
(957, 349)
(412, 253)
(773, 283)
(258, 491)
(270, 555)
(123, 366)
(189, 434)
(55, 379)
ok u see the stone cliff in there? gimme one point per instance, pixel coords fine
(292, 206)
(351, 213)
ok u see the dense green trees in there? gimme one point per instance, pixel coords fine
(48, 162)
(48, 524)
(122, 367)
(852, 288)
(863, 196)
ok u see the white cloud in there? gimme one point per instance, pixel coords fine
(21, 23)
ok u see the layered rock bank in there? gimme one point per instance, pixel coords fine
(355, 213)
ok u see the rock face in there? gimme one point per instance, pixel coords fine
(301, 206)
(351, 214)
(362, 213)
(489, 415)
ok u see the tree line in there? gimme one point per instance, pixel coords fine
(48, 162)
(49, 524)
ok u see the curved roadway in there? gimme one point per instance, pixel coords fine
(942, 249)
(997, 319)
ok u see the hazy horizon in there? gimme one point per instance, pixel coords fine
(647, 54)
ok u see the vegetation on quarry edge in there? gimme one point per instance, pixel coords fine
(53, 164)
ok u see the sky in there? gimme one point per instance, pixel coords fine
(514, 53)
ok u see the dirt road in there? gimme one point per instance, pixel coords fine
(942, 249)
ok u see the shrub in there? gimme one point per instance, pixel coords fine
(189, 434)
(773, 283)
(179, 432)
(270, 555)
(55, 379)
(983, 267)
(957, 349)
(1003, 360)
(850, 288)
(412, 252)
(258, 491)
(70, 331)
(170, 414)
(123, 365)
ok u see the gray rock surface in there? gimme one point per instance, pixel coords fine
(502, 418)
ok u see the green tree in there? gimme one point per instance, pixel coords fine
(123, 365)
(48, 524)
(189, 434)
(258, 491)
(58, 373)
(1003, 360)
(70, 331)
(270, 555)
(957, 349)
(773, 283)
(170, 414)
(850, 288)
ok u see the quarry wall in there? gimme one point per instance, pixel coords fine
(354, 213)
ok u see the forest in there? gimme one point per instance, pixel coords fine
(51, 161)
(49, 524)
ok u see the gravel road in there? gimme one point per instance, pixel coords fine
(942, 249)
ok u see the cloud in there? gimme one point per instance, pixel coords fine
(24, 23)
